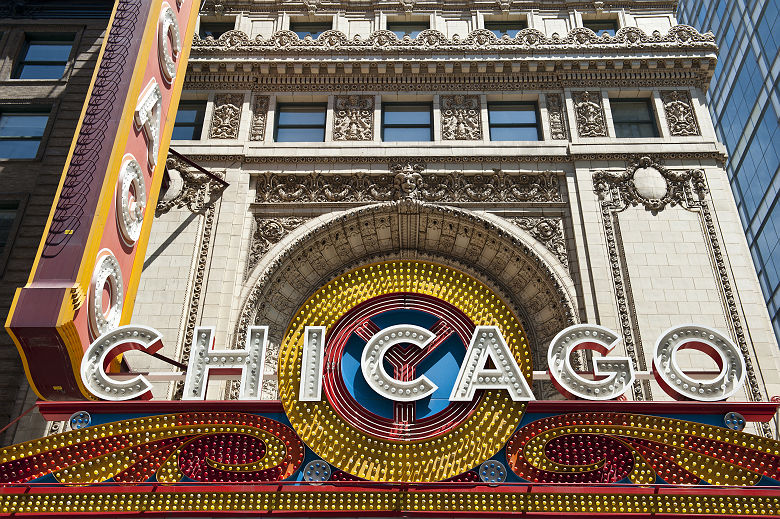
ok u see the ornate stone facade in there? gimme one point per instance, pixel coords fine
(461, 118)
(269, 231)
(496, 186)
(548, 231)
(187, 188)
(226, 117)
(570, 227)
(353, 118)
(589, 114)
(679, 113)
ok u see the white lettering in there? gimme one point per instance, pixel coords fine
(311, 366)
(618, 372)
(488, 343)
(168, 50)
(130, 199)
(374, 371)
(204, 360)
(148, 113)
(717, 346)
(107, 347)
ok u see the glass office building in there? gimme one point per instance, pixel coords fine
(745, 103)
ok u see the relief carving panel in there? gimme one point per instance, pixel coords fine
(408, 180)
(680, 116)
(226, 117)
(461, 118)
(589, 113)
(353, 118)
(557, 116)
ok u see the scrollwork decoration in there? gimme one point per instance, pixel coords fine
(353, 118)
(226, 117)
(680, 115)
(527, 41)
(498, 187)
(269, 231)
(589, 113)
(548, 231)
(461, 118)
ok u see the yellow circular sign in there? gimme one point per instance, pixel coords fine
(462, 446)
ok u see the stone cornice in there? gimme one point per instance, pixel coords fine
(334, 6)
(682, 57)
(642, 73)
(527, 43)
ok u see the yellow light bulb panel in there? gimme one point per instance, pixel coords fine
(401, 447)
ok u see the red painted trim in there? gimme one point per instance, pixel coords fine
(752, 411)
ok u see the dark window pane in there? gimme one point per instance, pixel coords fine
(633, 118)
(509, 28)
(18, 149)
(630, 111)
(300, 135)
(22, 125)
(185, 133)
(44, 56)
(408, 114)
(215, 29)
(407, 134)
(513, 134)
(407, 122)
(27, 71)
(303, 29)
(300, 122)
(512, 114)
(601, 26)
(411, 29)
(186, 115)
(513, 121)
(47, 51)
(301, 115)
(635, 130)
(189, 121)
(7, 217)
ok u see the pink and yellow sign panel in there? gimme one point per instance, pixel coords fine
(88, 265)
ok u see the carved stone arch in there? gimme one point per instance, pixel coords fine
(502, 256)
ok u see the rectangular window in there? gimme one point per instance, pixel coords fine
(8, 210)
(404, 122)
(510, 28)
(601, 26)
(633, 118)
(513, 121)
(21, 133)
(411, 29)
(189, 121)
(214, 29)
(313, 29)
(300, 122)
(44, 56)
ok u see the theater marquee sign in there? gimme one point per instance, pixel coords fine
(406, 387)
